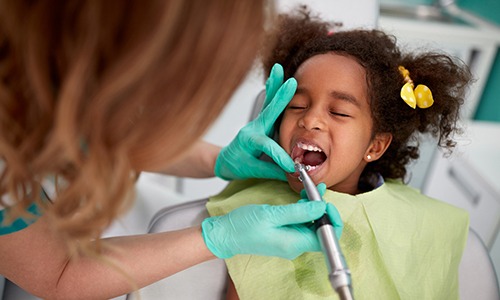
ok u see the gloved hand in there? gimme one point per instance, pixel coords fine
(277, 230)
(331, 210)
(240, 159)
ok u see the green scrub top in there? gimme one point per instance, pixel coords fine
(21, 223)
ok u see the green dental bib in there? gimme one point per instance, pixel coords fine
(398, 244)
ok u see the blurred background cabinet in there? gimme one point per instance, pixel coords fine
(470, 178)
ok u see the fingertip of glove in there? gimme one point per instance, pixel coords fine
(288, 166)
(316, 208)
(334, 213)
(321, 188)
(277, 69)
(291, 83)
(303, 194)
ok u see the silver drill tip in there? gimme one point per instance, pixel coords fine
(299, 167)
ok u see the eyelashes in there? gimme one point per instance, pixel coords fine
(294, 107)
(332, 112)
(339, 114)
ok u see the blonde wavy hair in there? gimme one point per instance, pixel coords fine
(93, 92)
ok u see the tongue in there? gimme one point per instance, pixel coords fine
(312, 158)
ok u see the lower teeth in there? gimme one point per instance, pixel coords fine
(308, 167)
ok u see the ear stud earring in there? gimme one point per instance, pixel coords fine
(369, 157)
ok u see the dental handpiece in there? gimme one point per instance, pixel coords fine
(338, 272)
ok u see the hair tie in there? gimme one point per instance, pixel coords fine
(420, 96)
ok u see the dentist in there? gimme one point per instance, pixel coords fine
(94, 92)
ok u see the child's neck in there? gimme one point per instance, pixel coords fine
(365, 184)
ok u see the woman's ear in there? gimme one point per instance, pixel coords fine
(378, 146)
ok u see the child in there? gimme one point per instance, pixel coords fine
(359, 106)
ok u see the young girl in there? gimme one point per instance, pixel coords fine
(355, 118)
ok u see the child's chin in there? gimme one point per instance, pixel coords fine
(295, 184)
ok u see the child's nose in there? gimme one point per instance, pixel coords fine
(312, 120)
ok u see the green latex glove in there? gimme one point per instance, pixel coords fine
(240, 159)
(331, 210)
(269, 230)
(273, 83)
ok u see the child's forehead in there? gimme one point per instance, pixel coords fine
(329, 59)
(331, 65)
(339, 77)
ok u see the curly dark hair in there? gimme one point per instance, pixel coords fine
(298, 37)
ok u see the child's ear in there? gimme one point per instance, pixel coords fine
(378, 146)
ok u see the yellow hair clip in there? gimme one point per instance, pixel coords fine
(420, 96)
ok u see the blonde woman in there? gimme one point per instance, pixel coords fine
(94, 92)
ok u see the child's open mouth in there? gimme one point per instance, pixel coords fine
(308, 154)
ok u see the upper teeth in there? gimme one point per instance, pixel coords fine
(308, 147)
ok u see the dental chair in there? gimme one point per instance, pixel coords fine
(208, 281)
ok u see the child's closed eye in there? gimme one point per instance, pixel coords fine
(296, 107)
(338, 114)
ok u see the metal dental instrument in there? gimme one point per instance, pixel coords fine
(338, 272)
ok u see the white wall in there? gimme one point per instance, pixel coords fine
(352, 13)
